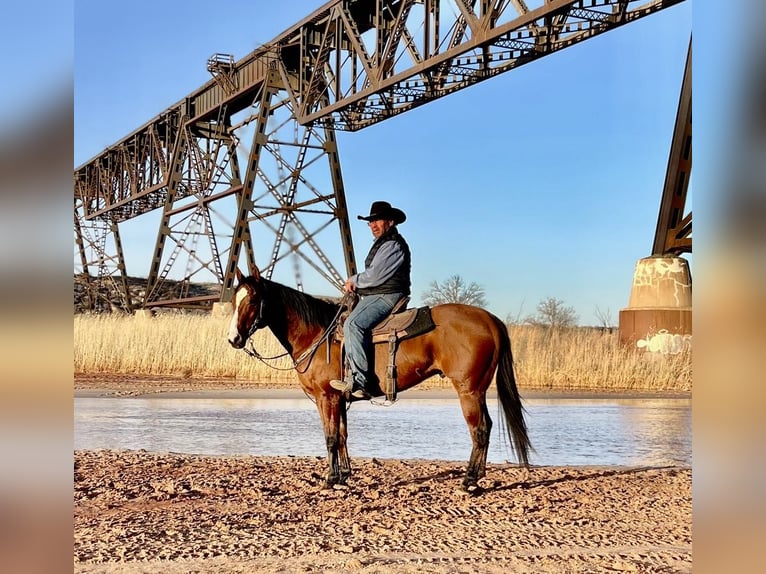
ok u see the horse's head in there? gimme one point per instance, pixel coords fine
(248, 309)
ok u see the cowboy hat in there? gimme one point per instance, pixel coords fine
(383, 210)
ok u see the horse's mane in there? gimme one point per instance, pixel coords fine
(311, 310)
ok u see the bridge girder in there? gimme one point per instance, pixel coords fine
(348, 65)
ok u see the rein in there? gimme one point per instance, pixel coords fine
(307, 355)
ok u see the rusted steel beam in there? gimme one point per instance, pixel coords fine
(197, 301)
(673, 233)
(482, 46)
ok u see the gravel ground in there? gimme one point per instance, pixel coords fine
(136, 511)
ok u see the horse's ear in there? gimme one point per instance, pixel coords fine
(256, 273)
(238, 274)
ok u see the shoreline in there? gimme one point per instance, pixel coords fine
(136, 386)
(428, 394)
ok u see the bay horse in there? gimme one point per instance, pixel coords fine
(468, 345)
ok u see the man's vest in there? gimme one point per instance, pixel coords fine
(399, 282)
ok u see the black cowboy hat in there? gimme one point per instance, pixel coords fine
(383, 210)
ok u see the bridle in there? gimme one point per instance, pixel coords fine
(260, 323)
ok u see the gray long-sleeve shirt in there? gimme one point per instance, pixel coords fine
(385, 262)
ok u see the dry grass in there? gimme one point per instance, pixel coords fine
(195, 346)
(174, 344)
(589, 359)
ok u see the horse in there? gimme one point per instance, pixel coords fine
(468, 345)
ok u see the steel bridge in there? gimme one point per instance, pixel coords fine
(239, 159)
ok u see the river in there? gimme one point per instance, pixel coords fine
(563, 431)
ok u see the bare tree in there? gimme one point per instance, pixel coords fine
(455, 290)
(552, 312)
(604, 318)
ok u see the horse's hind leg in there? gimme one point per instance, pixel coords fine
(474, 407)
(488, 433)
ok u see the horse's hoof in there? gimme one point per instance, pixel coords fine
(472, 488)
(335, 483)
(330, 482)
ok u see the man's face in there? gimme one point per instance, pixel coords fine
(379, 226)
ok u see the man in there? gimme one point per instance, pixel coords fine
(384, 281)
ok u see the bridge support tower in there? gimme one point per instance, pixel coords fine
(659, 314)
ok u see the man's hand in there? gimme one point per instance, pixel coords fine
(348, 286)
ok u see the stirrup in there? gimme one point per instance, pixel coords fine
(343, 386)
(361, 393)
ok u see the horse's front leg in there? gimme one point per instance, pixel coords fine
(343, 460)
(331, 413)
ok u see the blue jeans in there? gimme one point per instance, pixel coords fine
(370, 311)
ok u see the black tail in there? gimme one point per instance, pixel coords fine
(513, 421)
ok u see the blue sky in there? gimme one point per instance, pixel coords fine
(542, 182)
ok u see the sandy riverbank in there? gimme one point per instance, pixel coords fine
(172, 513)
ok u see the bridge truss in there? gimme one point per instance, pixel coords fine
(248, 165)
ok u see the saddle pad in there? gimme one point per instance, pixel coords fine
(406, 324)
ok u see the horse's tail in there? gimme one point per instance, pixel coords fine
(513, 421)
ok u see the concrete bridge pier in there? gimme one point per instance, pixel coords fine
(659, 315)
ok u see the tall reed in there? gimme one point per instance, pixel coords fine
(590, 359)
(195, 346)
(181, 345)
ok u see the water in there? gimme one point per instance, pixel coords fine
(626, 432)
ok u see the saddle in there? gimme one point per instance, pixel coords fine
(401, 323)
